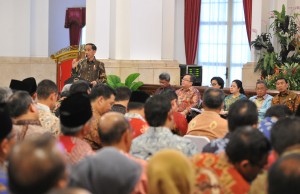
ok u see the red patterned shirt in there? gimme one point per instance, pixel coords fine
(75, 149)
(187, 98)
(215, 173)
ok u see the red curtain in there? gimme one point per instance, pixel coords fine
(75, 21)
(191, 28)
(248, 17)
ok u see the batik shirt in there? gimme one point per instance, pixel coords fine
(187, 98)
(90, 70)
(290, 99)
(229, 100)
(92, 137)
(75, 149)
(266, 125)
(215, 174)
(263, 104)
(158, 138)
(28, 129)
(217, 146)
(138, 124)
(48, 120)
(3, 179)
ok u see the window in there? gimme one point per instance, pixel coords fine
(223, 42)
(83, 35)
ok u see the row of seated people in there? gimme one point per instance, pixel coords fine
(189, 96)
(38, 162)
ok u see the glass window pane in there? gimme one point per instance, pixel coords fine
(213, 40)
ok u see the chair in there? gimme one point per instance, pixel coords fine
(199, 141)
(63, 59)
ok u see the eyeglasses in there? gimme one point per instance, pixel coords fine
(213, 84)
(186, 80)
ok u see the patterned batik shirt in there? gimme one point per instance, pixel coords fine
(75, 149)
(138, 124)
(187, 98)
(25, 129)
(90, 70)
(290, 99)
(229, 100)
(48, 120)
(92, 137)
(217, 146)
(3, 179)
(215, 174)
(158, 138)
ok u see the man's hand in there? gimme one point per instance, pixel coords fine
(93, 83)
(74, 63)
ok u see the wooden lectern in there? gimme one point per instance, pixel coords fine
(63, 59)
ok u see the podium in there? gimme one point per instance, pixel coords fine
(63, 59)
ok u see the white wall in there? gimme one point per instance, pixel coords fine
(39, 28)
(98, 26)
(127, 29)
(168, 29)
(15, 28)
(58, 34)
(146, 29)
(121, 28)
(179, 32)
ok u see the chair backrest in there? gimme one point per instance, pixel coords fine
(199, 141)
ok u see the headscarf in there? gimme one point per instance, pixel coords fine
(109, 171)
(170, 172)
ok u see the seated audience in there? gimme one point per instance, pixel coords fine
(273, 114)
(136, 112)
(36, 166)
(236, 93)
(158, 136)
(115, 131)
(47, 93)
(217, 82)
(285, 96)
(209, 123)
(7, 140)
(262, 100)
(188, 96)
(25, 116)
(102, 98)
(75, 118)
(180, 122)
(245, 156)
(285, 134)
(164, 81)
(123, 94)
(284, 175)
(5, 93)
(163, 178)
(241, 113)
(285, 140)
(109, 171)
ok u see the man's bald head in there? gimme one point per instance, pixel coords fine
(111, 128)
(35, 166)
